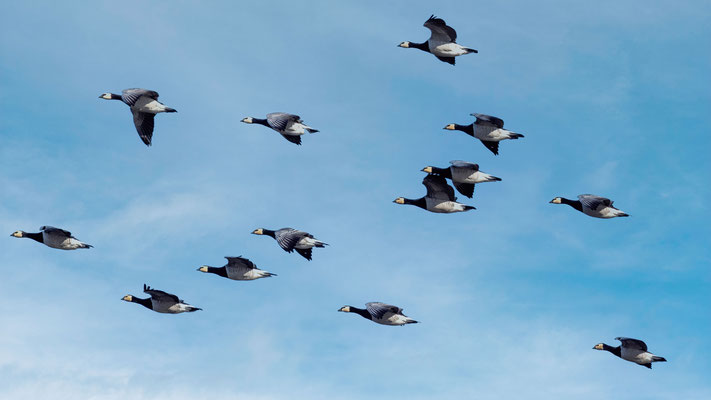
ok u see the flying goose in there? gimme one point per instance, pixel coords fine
(161, 302)
(490, 130)
(439, 198)
(463, 175)
(55, 238)
(144, 107)
(290, 239)
(442, 42)
(290, 126)
(594, 206)
(632, 350)
(238, 269)
(381, 313)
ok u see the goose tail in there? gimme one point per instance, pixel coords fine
(168, 109)
(514, 135)
(320, 244)
(468, 50)
(85, 246)
(658, 359)
(467, 208)
(310, 129)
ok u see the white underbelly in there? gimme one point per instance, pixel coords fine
(148, 105)
(490, 133)
(294, 129)
(445, 49)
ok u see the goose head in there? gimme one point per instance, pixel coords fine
(404, 44)
(18, 234)
(248, 120)
(557, 200)
(203, 268)
(599, 346)
(259, 231)
(399, 200)
(427, 169)
(450, 127)
(127, 297)
(345, 309)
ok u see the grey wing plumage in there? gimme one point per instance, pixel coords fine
(632, 343)
(437, 188)
(464, 164)
(55, 231)
(440, 30)
(378, 310)
(130, 96)
(483, 119)
(237, 262)
(159, 295)
(280, 121)
(144, 125)
(288, 237)
(593, 202)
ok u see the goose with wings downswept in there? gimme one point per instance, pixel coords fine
(144, 106)
(238, 269)
(464, 175)
(291, 239)
(161, 301)
(440, 197)
(488, 129)
(633, 350)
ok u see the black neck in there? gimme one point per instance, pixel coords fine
(421, 46)
(445, 172)
(613, 350)
(573, 203)
(34, 236)
(363, 313)
(419, 202)
(144, 302)
(465, 128)
(222, 271)
(115, 97)
(269, 233)
(260, 121)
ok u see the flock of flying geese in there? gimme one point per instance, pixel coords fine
(440, 197)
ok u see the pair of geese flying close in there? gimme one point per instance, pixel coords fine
(440, 196)
(144, 106)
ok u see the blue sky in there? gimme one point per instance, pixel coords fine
(613, 98)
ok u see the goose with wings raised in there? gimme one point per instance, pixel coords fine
(490, 130)
(291, 239)
(144, 106)
(290, 126)
(55, 238)
(592, 205)
(381, 313)
(238, 269)
(161, 302)
(442, 42)
(632, 350)
(440, 197)
(464, 175)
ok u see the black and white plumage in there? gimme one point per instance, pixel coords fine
(238, 269)
(592, 205)
(490, 130)
(464, 175)
(381, 313)
(290, 126)
(161, 302)
(442, 42)
(632, 350)
(440, 197)
(55, 238)
(291, 239)
(144, 106)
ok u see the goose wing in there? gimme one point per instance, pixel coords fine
(239, 262)
(144, 125)
(288, 237)
(483, 119)
(293, 138)
(464, 164)
(160, 296)
(594, 202)
(466, 189)
(492, 146)
(632, 343)
(437, 188)
(441, 32)
(131, 96)
(50, 230)
(280, 120)
(378, 310)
